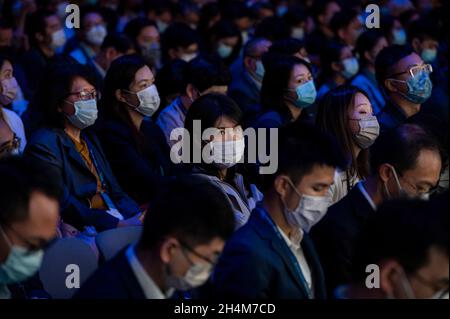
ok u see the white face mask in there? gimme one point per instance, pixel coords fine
(96, 35)
(298, 33)
(369, 129)
(58, 39)
(351, 67)
(226, 154)
(309, 211)
(148, 100)
(85, 113)
(224, 50)
(196, 276)
(187, 57)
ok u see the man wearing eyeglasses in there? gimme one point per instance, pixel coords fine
(184, 233)
(29, 213)
(405, 81)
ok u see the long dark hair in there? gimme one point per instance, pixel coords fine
(331, 54)
(120, 75)
(332, 117)
(208, 109)
(275, 82)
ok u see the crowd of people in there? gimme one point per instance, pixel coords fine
(89, 129)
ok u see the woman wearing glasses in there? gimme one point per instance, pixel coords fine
(12, 135)
(90, 193)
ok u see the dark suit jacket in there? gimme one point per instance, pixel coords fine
(114, 280)
(139, 171)
(58, 153)
(255, 264)
(391, 117)
(336, 234)
(246, 94)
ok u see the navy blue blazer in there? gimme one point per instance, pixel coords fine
(57, 151)
(336, 234)
(391, 117)
(255, 264)
(113, 280)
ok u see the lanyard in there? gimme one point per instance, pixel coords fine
(292, 258)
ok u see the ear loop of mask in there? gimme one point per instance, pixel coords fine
(296, 192)
(400, 188)
(127, 103)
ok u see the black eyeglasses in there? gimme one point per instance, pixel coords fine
(187, 247)
(86, 95)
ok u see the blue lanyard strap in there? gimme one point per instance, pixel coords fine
(292, 258)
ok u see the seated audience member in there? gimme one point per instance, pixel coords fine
(369, 44)
(203, 75)
(405, 81)
(287, 91)
(179, 41)
(219, 114)
(338, 65)
(46, 37)
(346, 113)
(224, 40)
(347, 27)
(184, 233)
(393, 30)
(408, 241)
(91, 195)
(133, 144)
(113, 47)
(405, 162)
(272, 256)
(146, 38)
(29, 214)
(246, 86)
(290, 46)
(12, 134)
(170, 82)
(89, 38)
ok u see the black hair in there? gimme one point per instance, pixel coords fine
(423, 29)
(319, 7)
(206, 71)
(401, 147)
(342, 19)
(275, 82)
(387, 58)
(207, 12)
(366, 42)
(287, 46)
(170, 80)
(20, 178)
(301, 146)
(192, 210)
(273, 28)
(35, 23)
(134, 28)
(295, 16)
(86, 10)
(403, 230)
(120, 42)
(177, 35)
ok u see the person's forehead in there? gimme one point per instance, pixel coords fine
(225, 121)
(149, 31)
(7, 66)
(92, 17)
(361, 99)
(407, 62)
(300, 70)
(81, 83)
(143, 73)
(319, 174)
(52, 20)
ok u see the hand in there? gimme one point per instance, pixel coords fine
(132, 221)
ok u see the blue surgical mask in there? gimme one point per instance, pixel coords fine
(20, 263)
(85, 113)
(306, 94)
(351, 67)
(260, 71)
(429, 55)
(224, 50)
(399, 36)
(419, 88)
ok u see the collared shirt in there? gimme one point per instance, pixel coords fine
(366, 195)
(343, 183)
(150, 289)
(172, 117)
(293, 242)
